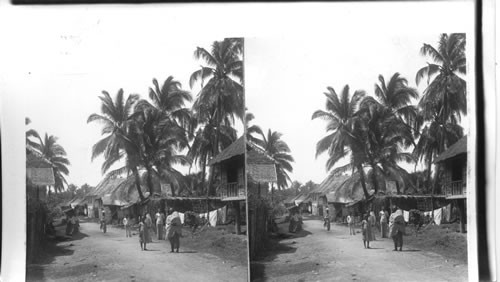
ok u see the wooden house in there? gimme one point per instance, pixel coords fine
(453, 164)
(39, 177)
(230, 163)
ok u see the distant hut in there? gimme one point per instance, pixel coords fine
(112, 194)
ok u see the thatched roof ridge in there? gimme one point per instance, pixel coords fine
(460, 147)
(235, 149)
(331, 183)
(255, 154)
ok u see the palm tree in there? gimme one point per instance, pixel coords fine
(444, 100)
(56, 155)
(445, 86)
(163, 129)
(384, 135)
(160, 140)
(253, 129)
(435, 137)
(221, 98)
(116, 117)
(279, 151)
(396, 96)
(202, 148)
(344, 135)
(170, 100)
(31, 133)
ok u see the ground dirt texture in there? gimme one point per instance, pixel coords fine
(95, 256)
(315, 254)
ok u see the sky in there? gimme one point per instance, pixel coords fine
(286, 79)
(59, 66)
(63, 76)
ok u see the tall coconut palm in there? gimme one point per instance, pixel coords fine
(170, 100)
(202, 148)
(343, 137)
(164, 124)
(445, 87)
(253, 129)
(116, 117)
(221, 96)
(56, 155)
(384, 135)
(31, 133)
(444, 100)
(160, 140)
(397, 96)
(435, 137)
(279, 151)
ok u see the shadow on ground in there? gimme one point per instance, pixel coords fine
(278, 243)
(49, 250)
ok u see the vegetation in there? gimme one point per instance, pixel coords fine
(149, 137)
(52, 152)
(380, 131)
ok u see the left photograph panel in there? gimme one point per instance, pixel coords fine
(135, 156)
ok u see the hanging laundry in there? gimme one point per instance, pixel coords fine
(438, 216)
(406, 215)
(213, 218)
(446, 214)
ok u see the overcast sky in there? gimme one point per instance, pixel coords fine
(63, 58)
(286, 79)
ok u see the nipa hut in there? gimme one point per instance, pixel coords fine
(39, 176)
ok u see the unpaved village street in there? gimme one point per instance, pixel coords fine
(96, 256)
(320, 255)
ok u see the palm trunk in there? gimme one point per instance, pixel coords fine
(374, 177)
(203, 174)
(149, 179)
(172, 189)
(429, 182)
(362, 178)
(272, 194)
(138, 183)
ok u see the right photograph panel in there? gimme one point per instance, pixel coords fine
(357, 161)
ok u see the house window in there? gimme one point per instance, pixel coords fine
(232, 174)
(456, 171)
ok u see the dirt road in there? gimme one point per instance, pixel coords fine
(320, 255)
(95, 256)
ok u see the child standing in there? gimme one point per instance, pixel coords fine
(142, 234)
(366, 229)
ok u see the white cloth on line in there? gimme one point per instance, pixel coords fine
(406, 215)
(213, 218)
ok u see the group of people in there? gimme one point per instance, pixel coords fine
(169, 227)
(393, 225)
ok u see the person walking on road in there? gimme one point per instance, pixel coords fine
(142, 234)
(372, 220)
(149, 228)
(366, 229)
(350, 223)
(126, 224)
(174, 230)
(383, 224)
(159, 225)
(397, 228)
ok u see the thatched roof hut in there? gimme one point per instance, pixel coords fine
(455, 150)
(39, 170)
